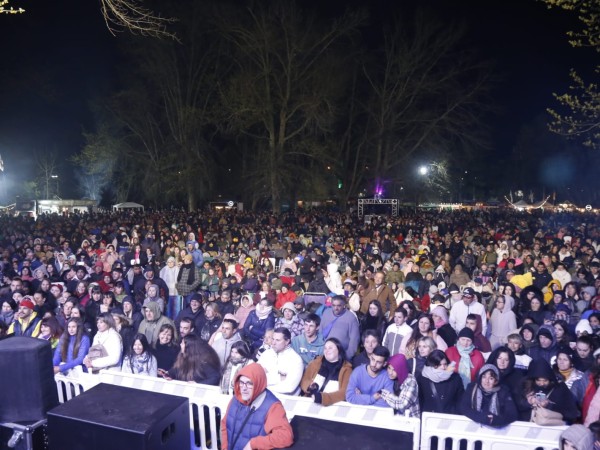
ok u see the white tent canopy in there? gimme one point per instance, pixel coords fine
(128, 205)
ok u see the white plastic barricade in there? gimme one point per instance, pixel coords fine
(516, 436)
(71, 386)
(208, 406)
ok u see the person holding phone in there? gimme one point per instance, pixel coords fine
(542, 389)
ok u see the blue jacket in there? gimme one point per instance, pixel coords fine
(254, 328)
(71, 361)
(255, 425)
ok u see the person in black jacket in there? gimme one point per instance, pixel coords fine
(547, 347)
(543, 389)
(440, 388)
(504, 359)
(488, 402)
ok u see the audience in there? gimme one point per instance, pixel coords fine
(538, 289)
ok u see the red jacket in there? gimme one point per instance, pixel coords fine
(476, 360)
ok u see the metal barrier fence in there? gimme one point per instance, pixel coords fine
(432, 431)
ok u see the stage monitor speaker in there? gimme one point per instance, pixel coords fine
(119, 418)
(312, 433)
(27, 379)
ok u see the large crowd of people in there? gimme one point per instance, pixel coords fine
(494, 315)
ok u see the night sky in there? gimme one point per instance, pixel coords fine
(59, 55)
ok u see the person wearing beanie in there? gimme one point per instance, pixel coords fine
(405, 395)
(28, 323)
(467, 359)
(285, 296)
(488, 402)
(583, 327)
(290, 320)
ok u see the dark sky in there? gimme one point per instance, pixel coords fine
(59, 55)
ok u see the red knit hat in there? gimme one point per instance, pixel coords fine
(27, 303)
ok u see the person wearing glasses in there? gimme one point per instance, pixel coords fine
(255, 418)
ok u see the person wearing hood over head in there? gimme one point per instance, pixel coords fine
(481, 342)
(244, 310)
(439, 314)
(255, 418)
(502, 321)
(511, 377)
(405, 396)
(153, 295)
(576, 437)
(487, 401)
(547, 347)
(153, 320)
(542, 389)
(528, 332)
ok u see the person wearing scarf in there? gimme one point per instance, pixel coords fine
(139, 360)
(440, 388)
(188, 279)
(488, 402)
(326, 377)
(258, 322)
(406, 390)
(467, 358)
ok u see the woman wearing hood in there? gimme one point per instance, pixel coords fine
(488, 402)
(152, 322)
(244, 310)
(576, 437)
(503, 320)
(504, 359)
(405, 396)
(439, 314)
(542, 389)
(255, 418)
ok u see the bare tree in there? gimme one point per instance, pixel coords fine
(579, 116)
(285, 89)
(131, 15)
(4, 9)
(425, 94)
(47, 166)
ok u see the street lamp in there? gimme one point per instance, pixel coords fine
(423, 170)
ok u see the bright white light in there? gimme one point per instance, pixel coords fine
(423, 170)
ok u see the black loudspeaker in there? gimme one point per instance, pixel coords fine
(119, 418)
(312, 433)
(27, 379)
